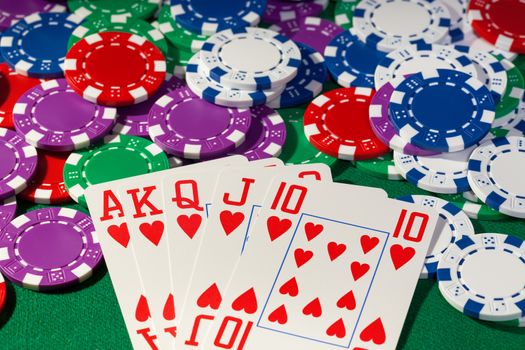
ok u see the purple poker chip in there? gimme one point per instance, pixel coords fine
(266, 136)
(133, 120)
(7, 211)
(12, 11)
(312, 31)
(53, 117)
(186, 126)
(18, 163)
(49, 248)
(382, 124)
(278, 11)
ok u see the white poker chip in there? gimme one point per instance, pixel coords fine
(250, 59)
(453, 224)
(459, 26)
(415, 58)
(213, 92)
(443, 173)
(495, 171)
(479, 44)
(388, 25)
(483, 276)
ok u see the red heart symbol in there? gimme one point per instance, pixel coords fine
(290, 288)
(312, 230)
(120, 233)
(277, 227)
(374, 332)
(153, 232)
(400, 256)
(169, 308)
(230, 221)
(279, 315)
(335, 250)
(210, 297)
(189, 224)
(313, 308)
(247, 301)
(368, 243)
(347, 301)
(337, 329)
(302, 256)
(358, 269)
(142, 310)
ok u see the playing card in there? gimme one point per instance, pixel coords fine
(328, 266)
(235, 205)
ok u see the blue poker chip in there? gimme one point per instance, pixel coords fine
(483, 276)
(36, 45)
(350, 61)
(307, 84)
(442, 110)
(208, 17)
(453, 224)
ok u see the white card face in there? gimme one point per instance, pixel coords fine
(236, 201)
(323, 271)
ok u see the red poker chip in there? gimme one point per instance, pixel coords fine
(12, 86)
(3, 292)
(337, 124)
(500, 22)
(48, 187)
(115, 68)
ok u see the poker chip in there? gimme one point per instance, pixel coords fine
(344, 12)
(278, 11)
(350, 61)
(3, 292)
(133, 120)
(19, 163)
(418, 57)
(208, 89)
(142, 9)
(36, 45)
(176, 62)
(314, 32)
(513, 124)
(50, 248)
(336, 123)
(499, 22)
(266, 136)
(476, 211)
(13, 86)
(117, 157)
(478, 44)
(441, 173)
(212, 131)
(483, 276)
(210, 17)
(453, 225)
(53, 117)
(382, 124)
(98, 24)
(489, 71)
(177, 35)
(115, 68)
(307, 84)
(494, 171)
(514, 91)
(384, 25)
(459, 26)
(13, 11)
(7, 213)
(382, 167)
(445, 127)
(271, 61)
(297, 149)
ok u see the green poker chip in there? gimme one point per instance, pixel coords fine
(344, 12)
(519, 62)
(514, 92)
(297, 149)
(177, 60)
(142, 9)
(178, 36)
(98, 24)
(477, 211)
(382, 167)
(117, 157)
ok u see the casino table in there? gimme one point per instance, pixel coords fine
(88, 317)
